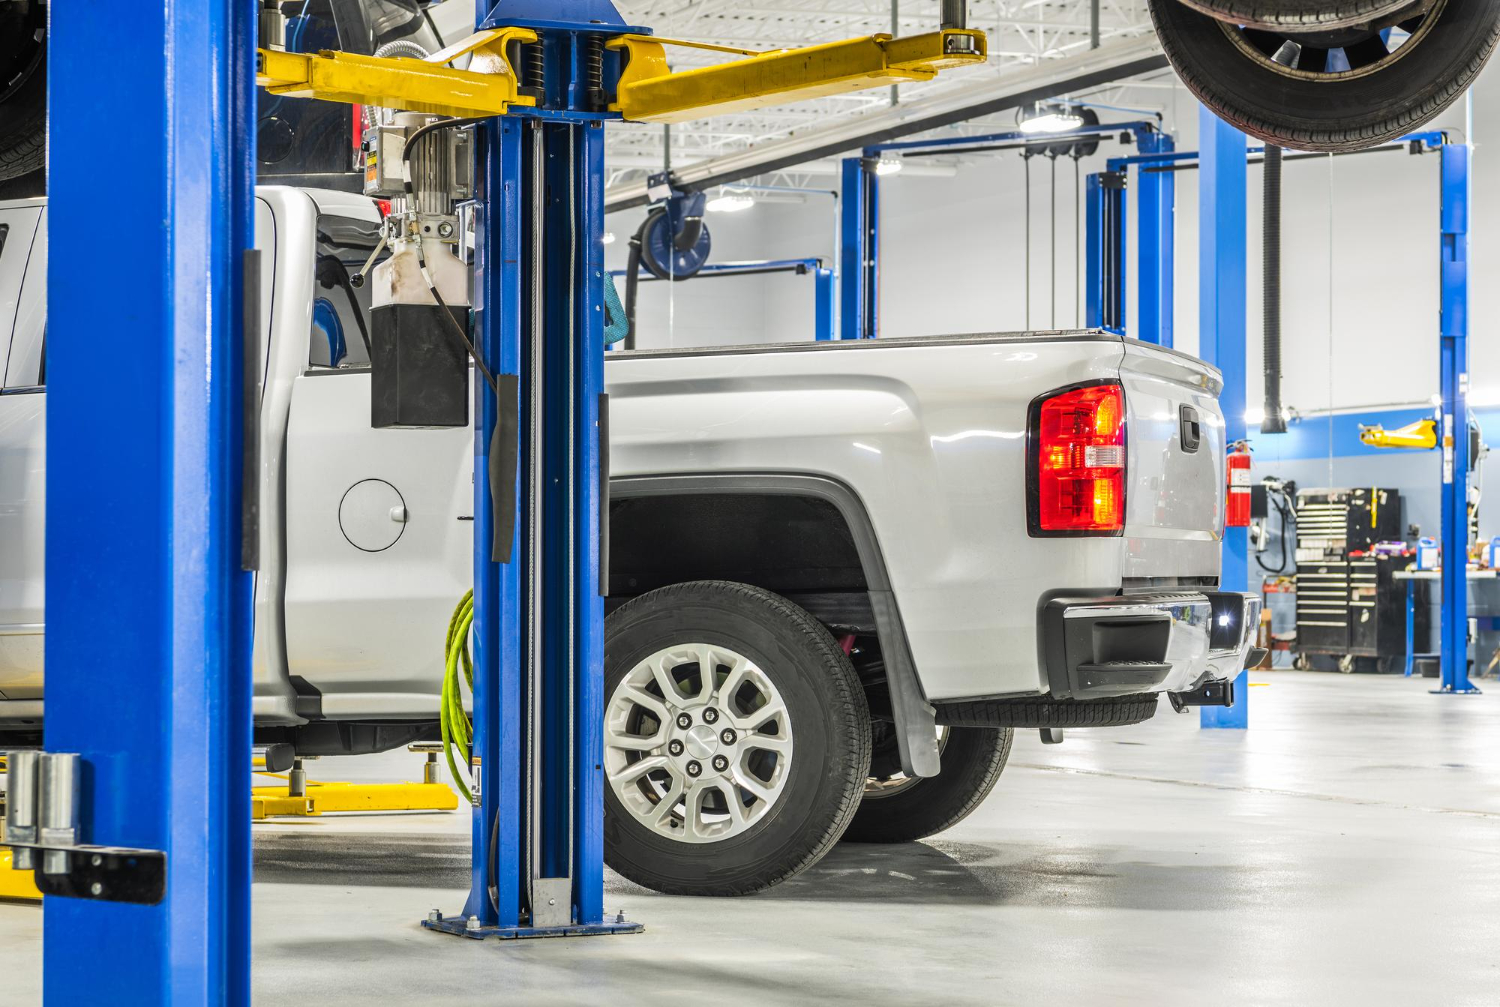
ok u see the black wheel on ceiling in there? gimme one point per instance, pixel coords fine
(1307, 15)
(23, 87)
(1333, 91)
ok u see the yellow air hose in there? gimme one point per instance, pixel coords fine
(458, 729)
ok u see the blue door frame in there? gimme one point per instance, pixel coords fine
(148, 605)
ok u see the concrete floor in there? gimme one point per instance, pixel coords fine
(1344, 850)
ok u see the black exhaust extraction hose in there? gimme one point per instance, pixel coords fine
(1273, 422)
(632, 283)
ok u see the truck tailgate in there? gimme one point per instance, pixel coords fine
(1174, 511)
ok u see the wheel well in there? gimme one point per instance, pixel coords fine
(792, 545)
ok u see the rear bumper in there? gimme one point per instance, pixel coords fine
(1095, 647)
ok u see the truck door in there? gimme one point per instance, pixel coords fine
(378, 522)
(23, 432)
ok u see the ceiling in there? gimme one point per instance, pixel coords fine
(1021, 33)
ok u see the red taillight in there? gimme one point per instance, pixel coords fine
(1080, 461)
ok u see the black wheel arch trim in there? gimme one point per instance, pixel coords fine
(916, 734)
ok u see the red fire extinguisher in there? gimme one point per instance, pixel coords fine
(1238, 498)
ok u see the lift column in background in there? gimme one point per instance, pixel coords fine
(1222, 240)
(148, 610)
(1453, 441)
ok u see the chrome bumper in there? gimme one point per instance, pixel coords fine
(1095, 647)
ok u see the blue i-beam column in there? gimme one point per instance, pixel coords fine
(1221, 331)
(1455, 436)
(859, 242)
(148, 628)
(1156, 201)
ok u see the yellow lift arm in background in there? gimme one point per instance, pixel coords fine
(648, 90)
(1418, 436)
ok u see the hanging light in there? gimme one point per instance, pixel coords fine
(1048, 117)
(888, 165)
(730, 202)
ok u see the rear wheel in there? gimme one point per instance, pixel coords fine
(1331, 90)
(736, 739)
(901, 809)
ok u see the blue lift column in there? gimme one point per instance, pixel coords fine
(859, 266)
(1455, 434)
(538, 826)
(148, 606)
(1156, 202)
(1222, 239)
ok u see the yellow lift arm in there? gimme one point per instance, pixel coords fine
(648, 90)
(1418, 436)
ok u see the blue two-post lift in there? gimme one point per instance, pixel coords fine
(1222, 301)
(151, 541)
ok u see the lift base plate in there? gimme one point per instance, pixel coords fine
(458, 927)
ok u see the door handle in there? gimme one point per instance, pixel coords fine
(1192, 429)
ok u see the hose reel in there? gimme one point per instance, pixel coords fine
(672, 243)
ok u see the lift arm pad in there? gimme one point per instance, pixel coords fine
(649, 92)
(412, 84)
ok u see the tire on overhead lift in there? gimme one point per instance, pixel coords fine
(23, 87)
(1302, 15)
(785, 651)
(1230, 71)
(898, 809)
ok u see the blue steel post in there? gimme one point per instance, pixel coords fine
(495, 836)
(1455, 436)
(823, 295)
(538, 832)
(148, 608)
(1156, 198)
(859, 268)
(1094, 266)
(1104, 298)
(1222, 240)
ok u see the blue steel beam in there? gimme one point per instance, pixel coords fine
(1222, 240)
(148, 610)
(823, 296)
(859, 251)
(1454, 339)
(1156, 200)
(1105, 269)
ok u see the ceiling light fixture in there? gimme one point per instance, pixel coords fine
(1047, 117)
(730, 202)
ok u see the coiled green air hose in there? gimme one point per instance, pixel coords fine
(458, 729)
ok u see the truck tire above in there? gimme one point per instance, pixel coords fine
(901, 809)
(1340, 90)
(736, 739)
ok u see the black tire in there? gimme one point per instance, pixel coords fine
(829, 725)
(899, 810)
(1302, 15)
(23, 88)
(1310, 108)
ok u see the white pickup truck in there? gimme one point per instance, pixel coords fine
(840, 574)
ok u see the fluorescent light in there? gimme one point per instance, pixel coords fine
(730, 202)
(609, 237)
(888, 166)
(1048, 117)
